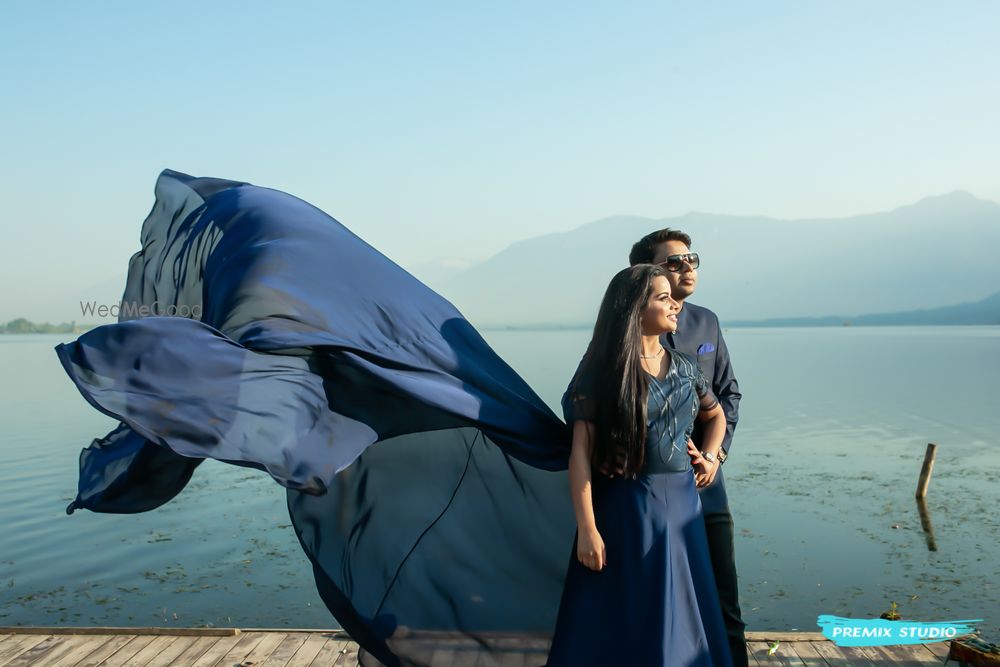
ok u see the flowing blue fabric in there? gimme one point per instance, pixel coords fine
(422, 471)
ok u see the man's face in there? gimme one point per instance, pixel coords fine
(682, 283)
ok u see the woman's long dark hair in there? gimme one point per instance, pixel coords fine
(617, 384)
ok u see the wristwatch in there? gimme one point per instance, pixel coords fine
(722, 456)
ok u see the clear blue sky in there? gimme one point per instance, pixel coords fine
(449, 130)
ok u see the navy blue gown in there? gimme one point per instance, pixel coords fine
(425, 479)
(655, 602)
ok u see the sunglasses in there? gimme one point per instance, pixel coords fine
(675, 263)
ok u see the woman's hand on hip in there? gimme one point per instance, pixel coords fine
(704, 470)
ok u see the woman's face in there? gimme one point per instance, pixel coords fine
(660, 313)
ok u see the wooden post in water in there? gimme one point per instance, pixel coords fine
(925, 471)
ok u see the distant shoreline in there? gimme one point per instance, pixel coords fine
(21, 325)
(764, 324)
(798, 323)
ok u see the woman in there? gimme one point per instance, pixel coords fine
(639, 589)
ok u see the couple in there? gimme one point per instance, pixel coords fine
(423, 474)
(645, 549)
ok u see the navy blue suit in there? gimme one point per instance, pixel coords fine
(698, 335)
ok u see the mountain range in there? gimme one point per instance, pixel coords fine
(986, 311)
(911, 264)
(937, 252)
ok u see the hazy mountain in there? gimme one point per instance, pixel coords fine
(77, 303)
(986, 311)
(941, 250)
(438, 271)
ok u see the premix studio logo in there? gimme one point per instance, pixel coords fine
(880, 632)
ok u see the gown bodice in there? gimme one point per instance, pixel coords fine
(671, 408)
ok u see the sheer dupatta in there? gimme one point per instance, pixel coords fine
(425, 478)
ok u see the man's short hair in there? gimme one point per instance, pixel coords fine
(644, 249)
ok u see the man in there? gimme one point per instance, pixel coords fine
(699, 336)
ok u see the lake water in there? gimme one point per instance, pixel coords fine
(821, 479)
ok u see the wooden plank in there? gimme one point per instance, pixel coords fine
(264, 648)
(65, 630)
(523, 644)
(72, 650)
(831, 653)
(938, 649)
(241, 649)
(907, 655)
(859, 656)
(125, 653)
(348, 656)
(167, 657)
(782, 656)
(420, 648)
(14, 645)
(195, 649)
(150, 651)
(59, 648)
(465, 657)
(486, 659)
(308, 651)
(512, 657)
(35, 652)
(752, 661)
(106, 650)
(285, 650)
(215, 652)
(808, 654)
(873, 653)
(328, 632)
(772, 636)
(329, 653)
(214, 647)
(754, 650)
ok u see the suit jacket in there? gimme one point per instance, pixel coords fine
(698, 334)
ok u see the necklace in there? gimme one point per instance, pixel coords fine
(652, 356)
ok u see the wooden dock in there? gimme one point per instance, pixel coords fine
(197, 647)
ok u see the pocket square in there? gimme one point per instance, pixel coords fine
(705, 348)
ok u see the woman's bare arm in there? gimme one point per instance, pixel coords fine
(590, 546)
(714, 431)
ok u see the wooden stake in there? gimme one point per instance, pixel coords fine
(925, 471)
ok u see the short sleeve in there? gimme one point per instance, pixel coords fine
(582, 408)
(579, 403)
